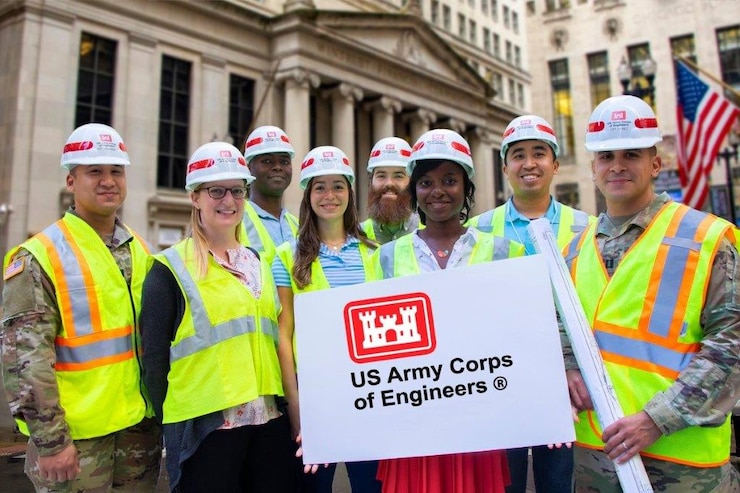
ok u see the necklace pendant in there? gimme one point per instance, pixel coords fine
(442, 253)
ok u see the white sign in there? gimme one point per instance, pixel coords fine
(459, 360)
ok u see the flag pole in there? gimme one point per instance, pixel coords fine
(724, 84)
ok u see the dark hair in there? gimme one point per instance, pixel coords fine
(425, 165)
(308, 242)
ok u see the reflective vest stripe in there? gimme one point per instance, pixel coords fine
(572, 221)
(99, 349)
(207, 335)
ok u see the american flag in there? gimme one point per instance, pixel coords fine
(704, 118)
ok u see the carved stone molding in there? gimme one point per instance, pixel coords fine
(458, 126)
(425, 116)
(486, 136)
(293, 5)
(299, 77)
(385, 103)
(344, 90)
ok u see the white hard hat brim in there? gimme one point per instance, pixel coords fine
(623, 144)
(325, 172)
(226, 175)
(95, 161)
(391, 164)
(277, 150)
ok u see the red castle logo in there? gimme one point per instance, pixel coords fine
(390, 327)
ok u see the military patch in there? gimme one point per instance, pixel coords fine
(14, 268)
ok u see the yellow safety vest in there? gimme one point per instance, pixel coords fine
(368, 227)
(646, 320)
(254, 233)
(225, 348)
(97, 368)
(401, 260)
(286, 253)
(572, 221)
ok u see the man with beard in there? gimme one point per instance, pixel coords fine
(389, 202)
(266, 223)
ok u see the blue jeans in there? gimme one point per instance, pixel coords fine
(553, 469)
(361, 477)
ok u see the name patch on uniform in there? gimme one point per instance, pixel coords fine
(14, 268)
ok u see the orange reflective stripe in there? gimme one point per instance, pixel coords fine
(94, 337)
(639, 364)
(96, 323)
(645, 336)
(60, 280)
(96, 363)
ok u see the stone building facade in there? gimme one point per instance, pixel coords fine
(576, 47)
(172, 75)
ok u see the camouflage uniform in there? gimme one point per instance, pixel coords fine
(704, 392)
(128, 459)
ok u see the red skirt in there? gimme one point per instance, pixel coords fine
(477, 472)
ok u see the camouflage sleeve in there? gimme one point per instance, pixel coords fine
(706, 390)
(27, 333)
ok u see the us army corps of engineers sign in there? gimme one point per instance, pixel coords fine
(458, 360)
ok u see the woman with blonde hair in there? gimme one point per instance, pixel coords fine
(330, 251)
(209, 336)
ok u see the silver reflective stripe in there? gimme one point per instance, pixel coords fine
(78, 295)
(207, 335)
(485, 222)
(675, 265)
(94, 350)
(580, 221)
(501, 247)
(387, 261)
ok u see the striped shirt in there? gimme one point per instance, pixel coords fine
(342, 268)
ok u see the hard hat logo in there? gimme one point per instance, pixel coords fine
(325, 160)
(529, 127)
(442, 144)
(78, 146)
(106, 138)
(619, 115)
(389, 151)
(202, 164)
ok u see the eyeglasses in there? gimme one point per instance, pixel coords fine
(220, 192)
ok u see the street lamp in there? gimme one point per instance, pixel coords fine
(648, 68)
(728, 154)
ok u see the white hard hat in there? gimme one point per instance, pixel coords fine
(325, 160)
(94, 143)
(529, 127)
(267, 140)
(216, 161)
(622, 122)
(390, 151)
(444, 144)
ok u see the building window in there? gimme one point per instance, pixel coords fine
(507, 20)
(728, 46)
(461, 25)
(512, 92)
(567, 193)
(515, 22)
(494, 10)
(496, 45)
(598, 74)
(508, 52)
(435, 12)
(520, 95)
(498, 84)
(517, 56)
(484, 6)
(562, 105)
(446, 18)
(174, 123)
(553, 5)
(241, 108)
(471, 3)
(487, 39)
(473, 32)
(637, 54)
(684, 47)
(95, 77)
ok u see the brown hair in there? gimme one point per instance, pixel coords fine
(308, 242)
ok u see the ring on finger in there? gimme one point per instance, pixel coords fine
(625, 446)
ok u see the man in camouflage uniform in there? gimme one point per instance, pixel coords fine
(665, 311)
(69, 343)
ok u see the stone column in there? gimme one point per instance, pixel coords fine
(297, 83)
(383, 111)
(421, 121)
(343, 99)
(481, 144)
(142, 91)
